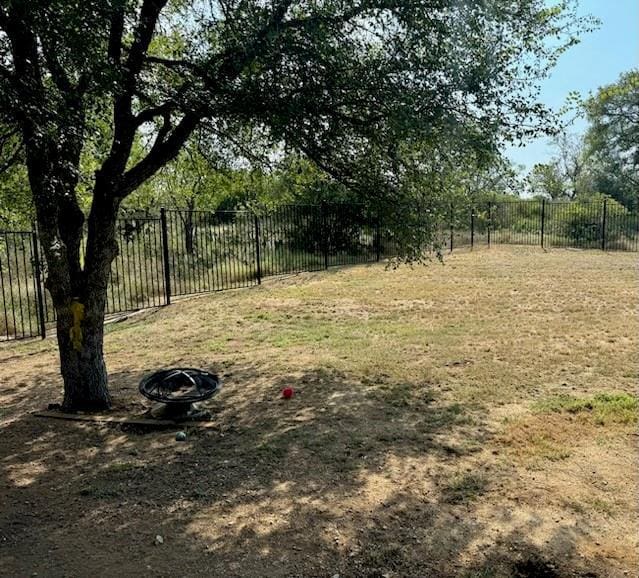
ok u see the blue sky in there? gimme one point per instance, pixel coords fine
(599, 59)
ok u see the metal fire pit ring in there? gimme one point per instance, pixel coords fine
(179, 388)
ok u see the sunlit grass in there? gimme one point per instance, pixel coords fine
(602, 408)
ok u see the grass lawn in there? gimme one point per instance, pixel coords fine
(473, 419)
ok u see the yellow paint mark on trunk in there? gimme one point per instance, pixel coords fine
(75, 332)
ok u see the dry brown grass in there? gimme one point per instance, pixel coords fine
(425, 437)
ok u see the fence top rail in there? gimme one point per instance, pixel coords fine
(576, 202)
(15, 232)
(207, 211)
(517, 200)
(262, 210)
(512, 200)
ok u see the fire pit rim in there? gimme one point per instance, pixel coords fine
(203, 394)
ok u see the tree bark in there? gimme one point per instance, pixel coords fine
(80, 309)
(189, 230)
(80, 341)
(79, 294)
(80, 325)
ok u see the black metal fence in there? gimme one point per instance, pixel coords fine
(22, 309)
(187, 252)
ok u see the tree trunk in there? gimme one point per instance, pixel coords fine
(79, 297)
(188, 231)
(80, 323)
(80, 331)
(80, 334)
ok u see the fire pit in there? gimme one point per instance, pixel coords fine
(178, 389)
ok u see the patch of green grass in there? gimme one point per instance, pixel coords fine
(544, 446)
(262, 316)
(294, 334)
(603, 408)
(465, 488)
(217, 345)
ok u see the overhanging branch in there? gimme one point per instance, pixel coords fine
(150, 114)
(175, 64)
(162, 151)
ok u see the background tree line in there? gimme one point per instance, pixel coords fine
(602, 162)
(605, 160)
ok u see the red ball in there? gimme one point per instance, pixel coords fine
(287, 392)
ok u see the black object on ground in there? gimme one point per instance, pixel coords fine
(178, 389)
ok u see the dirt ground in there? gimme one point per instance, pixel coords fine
(475, 419)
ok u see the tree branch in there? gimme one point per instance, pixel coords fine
(166, 148)
(24, 50)
(149, 114)
(240, 147)
(149, 14)
(162, 151)
(169, 141)
(124, 126)
(169, 63)
(116, 31)
(58, 74)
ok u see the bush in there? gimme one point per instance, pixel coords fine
(583, 222)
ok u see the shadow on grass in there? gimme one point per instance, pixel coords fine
(349, 478)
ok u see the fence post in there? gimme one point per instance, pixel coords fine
(378, 239)
(452, 226)
(543, 220)
(490, 220)
(324, 233)
(257, 250)
(603, 225)
(165, 257)
(39, 282)
(472, 227)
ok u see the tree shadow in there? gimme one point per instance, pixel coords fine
(350, 477)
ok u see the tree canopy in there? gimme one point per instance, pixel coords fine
(604, 161)
(338, 81)
(613, 137)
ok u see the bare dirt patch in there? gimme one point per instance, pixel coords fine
(425, 437)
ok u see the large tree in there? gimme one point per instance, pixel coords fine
(352, 85)
(613, 139)
(566, 175)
